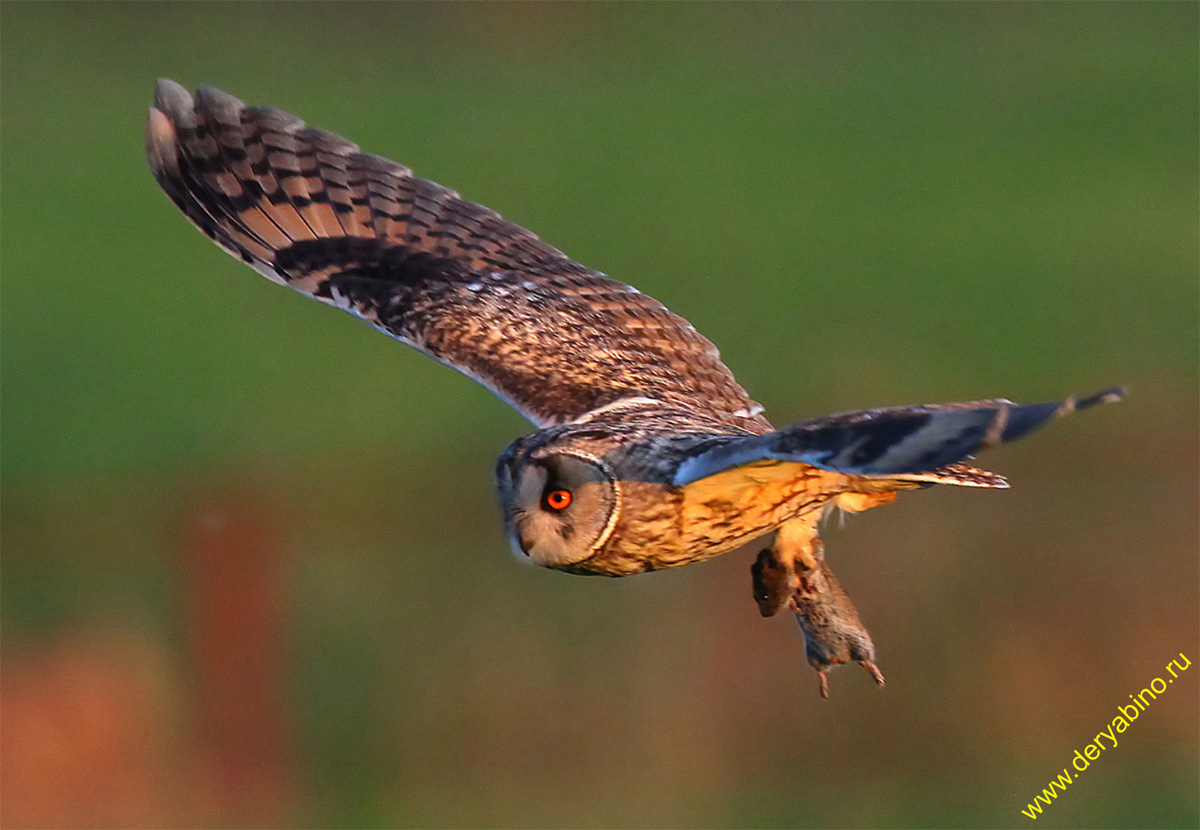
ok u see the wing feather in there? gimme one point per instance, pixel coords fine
(905, 442)
(307, 209)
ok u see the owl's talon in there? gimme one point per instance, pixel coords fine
(824, 685)
(810, 556)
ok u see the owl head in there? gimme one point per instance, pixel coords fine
(560, 501)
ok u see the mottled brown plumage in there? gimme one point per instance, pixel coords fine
(649, 454)
(448, 276)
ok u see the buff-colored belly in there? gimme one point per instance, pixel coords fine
(664, 527)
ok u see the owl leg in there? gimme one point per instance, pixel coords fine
(797, 549)
(776, 572)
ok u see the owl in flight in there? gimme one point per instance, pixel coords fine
(647, 453)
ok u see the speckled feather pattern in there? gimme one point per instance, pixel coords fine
(654, 455)
(447, 276)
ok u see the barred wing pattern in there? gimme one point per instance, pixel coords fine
(306, 209)
(903, 443)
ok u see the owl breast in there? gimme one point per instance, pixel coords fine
(661, 526)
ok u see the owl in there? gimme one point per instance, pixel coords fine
(647, 453)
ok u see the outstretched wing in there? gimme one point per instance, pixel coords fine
(888, 442)
(450, 277)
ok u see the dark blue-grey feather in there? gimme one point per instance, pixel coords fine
(883, 442)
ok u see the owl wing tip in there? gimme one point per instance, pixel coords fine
(218, 105)
(1114, 395)
(160, 143)
(293, 203)
(172, 98)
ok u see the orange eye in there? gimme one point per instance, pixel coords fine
(558, 499)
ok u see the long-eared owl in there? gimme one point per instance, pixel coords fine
(647, 453)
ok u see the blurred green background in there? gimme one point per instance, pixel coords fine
(253, 572)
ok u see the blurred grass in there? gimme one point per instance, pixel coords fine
(861, 204)
(951, 196)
